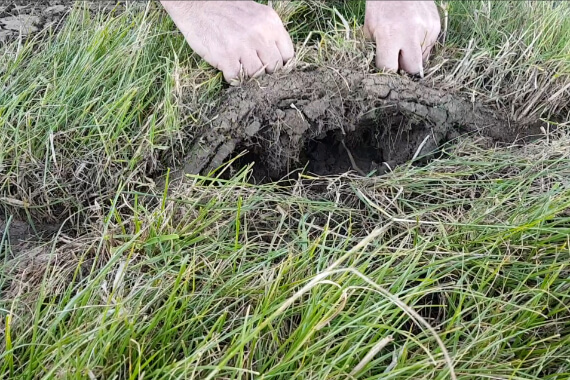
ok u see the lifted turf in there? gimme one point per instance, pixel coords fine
(334, 120)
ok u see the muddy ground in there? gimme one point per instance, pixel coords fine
(18, 231)
(329, 121)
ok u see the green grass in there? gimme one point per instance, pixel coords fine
(96, 103)
(477, 245)
(463, 262)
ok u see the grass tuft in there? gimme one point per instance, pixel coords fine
(85, 110)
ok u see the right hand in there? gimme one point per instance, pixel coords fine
(230, 35)
(404, 31)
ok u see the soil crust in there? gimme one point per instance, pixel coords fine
(330, 121)
(23, 18)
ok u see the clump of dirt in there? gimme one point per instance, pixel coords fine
(334, 120)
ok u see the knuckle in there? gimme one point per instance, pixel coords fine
(259, 31)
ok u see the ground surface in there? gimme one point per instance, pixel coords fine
(21, 18)
(450, 266)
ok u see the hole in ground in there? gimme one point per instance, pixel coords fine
(373, 147)
(337, 153)
(300, 121)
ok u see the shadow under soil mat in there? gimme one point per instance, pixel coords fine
(334, 120)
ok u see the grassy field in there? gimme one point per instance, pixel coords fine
(457, 269)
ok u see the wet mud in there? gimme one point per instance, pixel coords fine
(329, 121)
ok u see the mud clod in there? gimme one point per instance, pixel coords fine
(332, 121)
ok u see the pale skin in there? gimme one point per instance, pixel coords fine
(247, 37)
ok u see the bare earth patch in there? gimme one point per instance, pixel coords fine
(20, 235)
(331, 121)
(22, 18)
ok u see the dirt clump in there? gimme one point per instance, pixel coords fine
(331, 121)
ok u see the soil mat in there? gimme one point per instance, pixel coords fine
(329, 121)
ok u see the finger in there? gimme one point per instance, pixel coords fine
(411, 59)
(271, 58)
(286, 48)
(251, 63)
(428, 45)
(283, 39)
(230, 68)
(387, 53)
(429, 42)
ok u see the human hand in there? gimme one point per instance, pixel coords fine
(230, 35)
(404, 32)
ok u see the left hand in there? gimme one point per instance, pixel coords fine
(404, 31)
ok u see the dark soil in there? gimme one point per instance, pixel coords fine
(23, 18)
(332, 121)
(15, 231)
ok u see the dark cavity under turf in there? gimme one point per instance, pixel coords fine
(330, 121)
